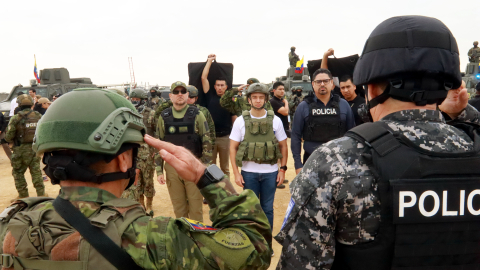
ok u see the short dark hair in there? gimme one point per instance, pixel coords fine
(33, 90)
(320, 71)
(277, 84)
(345, 78)
(221, 79)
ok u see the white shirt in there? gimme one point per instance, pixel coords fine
(238, 133)
(13, 106)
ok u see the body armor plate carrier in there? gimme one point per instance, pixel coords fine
(259, 144)
(430, 206)
(181, 132)
(323, 124)
(26, 126)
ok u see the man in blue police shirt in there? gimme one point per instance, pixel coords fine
(321, 117)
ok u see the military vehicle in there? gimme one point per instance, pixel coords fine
(472, 75)
(296, 79)
(53, 81)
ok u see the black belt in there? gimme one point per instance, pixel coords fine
(222, 133)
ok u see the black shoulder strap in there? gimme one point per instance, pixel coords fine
(167, 115)
(191, 112)
(375, 135)
(94, 235)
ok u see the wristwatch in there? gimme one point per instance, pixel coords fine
(283, 168)
(212, 175)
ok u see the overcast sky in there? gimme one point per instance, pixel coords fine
(95, 38)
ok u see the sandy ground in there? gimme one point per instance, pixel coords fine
(161, 203)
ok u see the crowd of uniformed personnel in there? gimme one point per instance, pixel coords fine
(353, 178)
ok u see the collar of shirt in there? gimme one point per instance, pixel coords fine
(319, 101)
(86, 194)
(415, 115)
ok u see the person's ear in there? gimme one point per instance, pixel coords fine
(124, 160)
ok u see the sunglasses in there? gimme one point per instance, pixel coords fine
(319, 82)
(176, 92)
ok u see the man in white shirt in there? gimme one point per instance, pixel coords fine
(257, 142)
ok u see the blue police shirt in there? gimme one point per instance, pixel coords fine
(299, 120)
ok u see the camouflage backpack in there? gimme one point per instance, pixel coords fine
(34, 236)
(27, 125)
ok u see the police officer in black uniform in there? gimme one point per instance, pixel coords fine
(321, 117)
(402, 192)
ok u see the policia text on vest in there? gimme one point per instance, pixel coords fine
(448, 200)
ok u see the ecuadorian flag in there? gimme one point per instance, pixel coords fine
(35, 73)
(299, 67)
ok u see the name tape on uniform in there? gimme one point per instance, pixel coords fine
(436, 200)
(327, 111)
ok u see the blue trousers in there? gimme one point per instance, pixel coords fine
(264, 186)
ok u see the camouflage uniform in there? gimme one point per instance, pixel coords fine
(155, 102)
(205, 111)
(24, 157)
(335, 196)
(293, 58)
(293, 101)
(236, 104)
(164, 242)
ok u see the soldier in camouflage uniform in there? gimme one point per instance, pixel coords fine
(21, 130)
(145, 163)
(234, 102)
(474, 53)
(293, 57)
(155, 99)
(293, 100)
(185, 126)
(142, 242)
(335, 205)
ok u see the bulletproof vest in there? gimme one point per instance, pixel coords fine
(323, 124)
(147, 122)
(26, 126)
(430, 205)
(182, 131)
(41, 239)
(259, 143)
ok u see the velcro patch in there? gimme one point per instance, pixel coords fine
(232, 238)
(198, 226)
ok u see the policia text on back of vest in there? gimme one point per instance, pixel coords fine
(182, 131)
(430, 208)
(259, 144)
(323, 124)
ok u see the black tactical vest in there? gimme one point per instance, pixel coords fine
(430, 206)
(323, 124)
(182, 131)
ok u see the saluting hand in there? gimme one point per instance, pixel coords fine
(456, 101)
(183, 161)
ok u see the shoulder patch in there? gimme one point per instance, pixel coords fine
(206, 126)
(232, 238)
(198, 226)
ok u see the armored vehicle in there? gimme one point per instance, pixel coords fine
(296, 79)
(53, 81)
(472, 75)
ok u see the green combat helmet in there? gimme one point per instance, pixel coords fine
(24, 100)
(138, 93)
(192, 91)
(252, 81)
(257, 88)
(96, 122)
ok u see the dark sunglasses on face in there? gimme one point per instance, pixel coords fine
(176, 92)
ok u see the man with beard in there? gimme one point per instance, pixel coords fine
(320, 117)
(185, 126)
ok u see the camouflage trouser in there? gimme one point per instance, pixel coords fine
(145, 180)
(23, 157)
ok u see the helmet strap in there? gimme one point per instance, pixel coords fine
(60, 166)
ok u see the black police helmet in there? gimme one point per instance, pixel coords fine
(417, 55)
